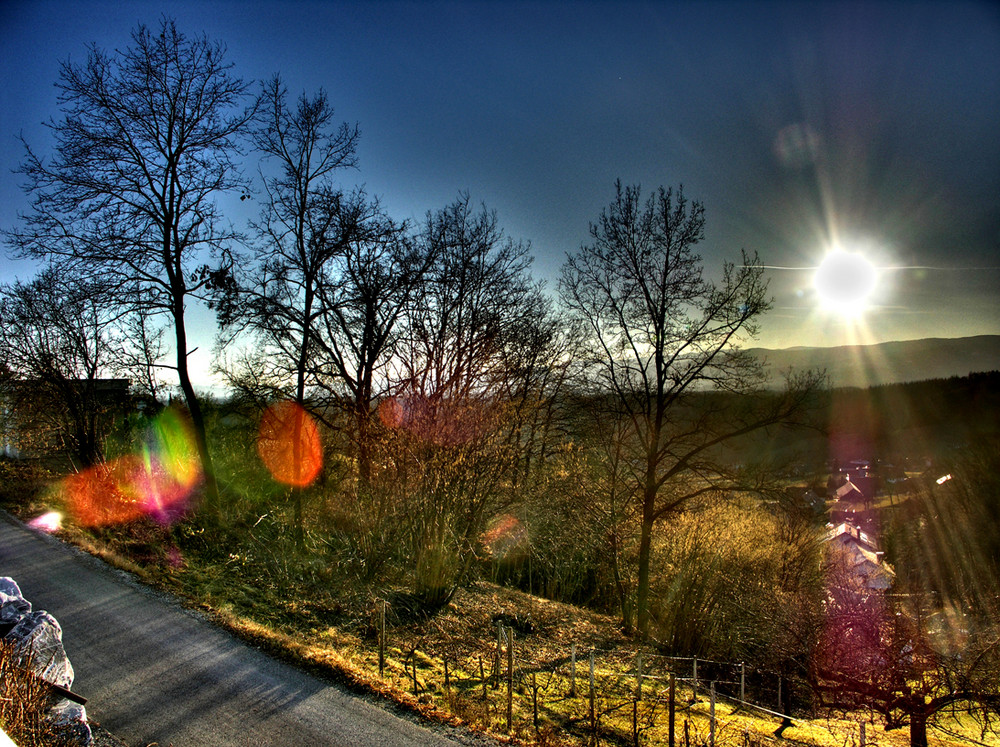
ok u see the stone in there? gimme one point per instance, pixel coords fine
(70, 720)
(38, 636)
(37, 640)
(13, 606)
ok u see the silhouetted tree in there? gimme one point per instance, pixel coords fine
(659, 334)
(278, 297)
(463, 368)
(143, 152)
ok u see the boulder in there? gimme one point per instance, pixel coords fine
(37, 640)
(13, 606)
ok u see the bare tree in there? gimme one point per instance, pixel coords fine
(464, 371)
(660, 334)
(142, 154)
(293, 252)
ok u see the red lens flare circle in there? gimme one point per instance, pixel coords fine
(288, 444)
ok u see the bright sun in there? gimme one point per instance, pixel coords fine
(845, 282)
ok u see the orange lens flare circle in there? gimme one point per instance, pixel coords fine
(288, 444)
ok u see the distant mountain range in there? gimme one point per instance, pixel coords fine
(889, 362)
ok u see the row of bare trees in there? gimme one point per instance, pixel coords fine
(437, 327)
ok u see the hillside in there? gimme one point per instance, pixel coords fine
(889, 362)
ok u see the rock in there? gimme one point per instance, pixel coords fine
(39, 637)
(70, 720)
(13, 606)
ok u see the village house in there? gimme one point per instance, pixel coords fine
(859, 549)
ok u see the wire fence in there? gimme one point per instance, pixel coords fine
(615, 696)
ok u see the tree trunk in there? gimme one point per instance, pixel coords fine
(624, 593)
(918, 730)
(645, 545)
(197, 418)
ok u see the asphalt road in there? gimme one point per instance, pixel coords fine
(154, 672)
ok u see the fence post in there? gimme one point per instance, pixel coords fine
(381, 641)
(672, 710)
(694, 690)
(572, 672)
(635, 723)
(447, 682)
(687, 734)
(499, 660)
(534, 701)
(638, 675)
(482, 677)
(862, 740)
(510, 677)
(780, 709)
(743, 682)
(711, 717)
(415, 686)
(593, 714)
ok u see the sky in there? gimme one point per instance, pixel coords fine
(801, 126)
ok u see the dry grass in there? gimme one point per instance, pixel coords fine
(24, 700)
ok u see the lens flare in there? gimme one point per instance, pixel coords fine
(155, 482)
(175, 449)
(288, 444)
(49, 522)
(506, 537)
(441, 422)
(106, 493)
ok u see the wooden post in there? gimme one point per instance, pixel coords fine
(593, 712)
(635, 723)
(672, 710)
(447, 682)
(687, 734)
(743, 682)
(496, 669)
(694, 691)
(862, 738)
(534, 701)
(415, 686)
(381, 641)
(780, 709)
(711, 717)
(510, 677)
(572, 672)
(638, 676)
(482, 677)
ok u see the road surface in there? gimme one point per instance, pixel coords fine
(154, 672)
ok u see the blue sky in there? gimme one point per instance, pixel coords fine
(794, 123)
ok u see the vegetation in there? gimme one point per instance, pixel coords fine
(24, 701)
